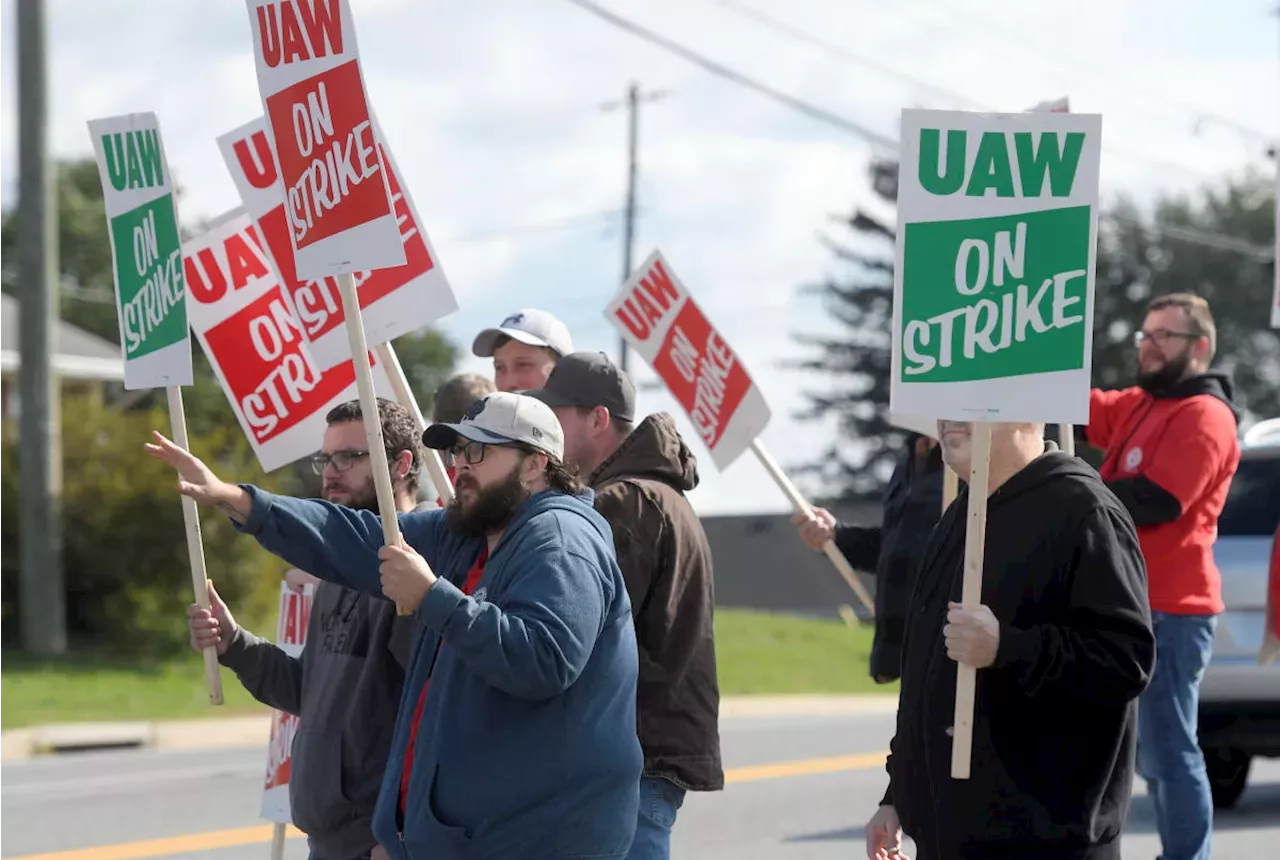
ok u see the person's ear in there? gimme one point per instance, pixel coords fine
(400, 466)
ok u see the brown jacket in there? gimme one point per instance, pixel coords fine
(666, 561)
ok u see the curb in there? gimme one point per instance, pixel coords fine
(228, 732)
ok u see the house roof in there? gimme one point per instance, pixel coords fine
(77, 354)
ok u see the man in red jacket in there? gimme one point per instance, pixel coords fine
(1171, 451)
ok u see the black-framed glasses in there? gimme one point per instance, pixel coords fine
(341, 460)
(1161, 335)
(466, 450)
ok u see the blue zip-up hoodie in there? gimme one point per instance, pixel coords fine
(527, 743)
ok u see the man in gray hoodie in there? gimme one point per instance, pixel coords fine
(345, 688)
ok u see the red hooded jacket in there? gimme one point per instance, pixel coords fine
(1170, 457)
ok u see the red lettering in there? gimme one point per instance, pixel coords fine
(651, 314)
(322, 20)
(295, 46)
(630, 317)
(269, 34)
(659, 286)
(257, 164)
(205, 291)
(245, 264)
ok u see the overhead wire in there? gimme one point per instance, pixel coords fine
(888, 144)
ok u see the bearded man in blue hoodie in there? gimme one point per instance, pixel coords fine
(516, 735)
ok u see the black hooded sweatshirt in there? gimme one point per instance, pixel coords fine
(1055, 720)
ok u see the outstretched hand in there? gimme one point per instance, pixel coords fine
(406, 576)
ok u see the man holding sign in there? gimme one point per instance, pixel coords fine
(346, 685)
(1063, 646)
(517, 729)
(640, 473)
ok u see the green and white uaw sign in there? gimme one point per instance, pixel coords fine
(150, 284)
(993, 285)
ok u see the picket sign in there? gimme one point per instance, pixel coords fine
(313, 95)
(151, 295)
(256, 347)
(291, 636)
(661, 321)
(950, 487)
(397, 300)
(993, 294)
(394, 301)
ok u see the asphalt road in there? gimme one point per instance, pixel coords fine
(800, 787)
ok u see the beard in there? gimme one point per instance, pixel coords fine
(491, 509)
(1167, 375)
(363, 499)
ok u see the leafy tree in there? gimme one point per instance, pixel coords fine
(1214, 243)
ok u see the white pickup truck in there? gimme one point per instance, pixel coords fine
(1240, 693)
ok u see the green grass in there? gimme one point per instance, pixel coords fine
(84, 688)
(764, 652)
(757, 652)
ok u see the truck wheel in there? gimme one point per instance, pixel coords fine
(1228, 775)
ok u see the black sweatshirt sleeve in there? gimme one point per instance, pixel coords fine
(860, 545)
(1147, 502)
(270, 675)
(1104, 651)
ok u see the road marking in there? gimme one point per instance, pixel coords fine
(170, 846)
(261, 834)
(804, 767)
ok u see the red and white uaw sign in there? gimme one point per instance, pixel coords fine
(241, 316)
(657, 316)
(661, 321)
(393, 301)
(291, 635)
(336, 193)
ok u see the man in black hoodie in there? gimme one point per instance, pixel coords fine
(640, 474)
(892, 550)
(1064, 646)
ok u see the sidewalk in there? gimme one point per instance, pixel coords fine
(228, 732)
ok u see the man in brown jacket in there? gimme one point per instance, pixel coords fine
(640, 474)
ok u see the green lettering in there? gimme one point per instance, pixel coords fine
(149, 144)
(991, 168)
(131, 159)
(932, 179)
(1060, 164)
(115, 160)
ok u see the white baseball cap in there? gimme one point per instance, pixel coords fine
(500, 419)
(528, 325)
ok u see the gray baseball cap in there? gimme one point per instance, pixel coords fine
(590, 379)
(502, 418)
(528, 325)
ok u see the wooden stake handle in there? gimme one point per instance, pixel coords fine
(195, 544)
(372, 421)
(1067, 438)
(400, 384)
(803, 507)
(950, 487)
(975, 539)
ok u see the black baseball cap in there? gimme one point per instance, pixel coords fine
(590, 379)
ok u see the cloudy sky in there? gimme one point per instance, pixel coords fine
(494, 109)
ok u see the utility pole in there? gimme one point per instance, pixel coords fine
(632, 103)
(43, 597)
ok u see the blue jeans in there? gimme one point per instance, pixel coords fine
(1169, 757)
(660, 800)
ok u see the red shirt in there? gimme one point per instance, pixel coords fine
(472, 580)
(1186, 446)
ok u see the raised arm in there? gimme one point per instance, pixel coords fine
(329, 541)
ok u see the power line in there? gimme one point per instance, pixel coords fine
(1221, 242)
(800, 105)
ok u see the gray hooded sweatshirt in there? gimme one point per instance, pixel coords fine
(345, 690)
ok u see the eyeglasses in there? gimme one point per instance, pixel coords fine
(341, 460)
(466, 450)
(1161, 335)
